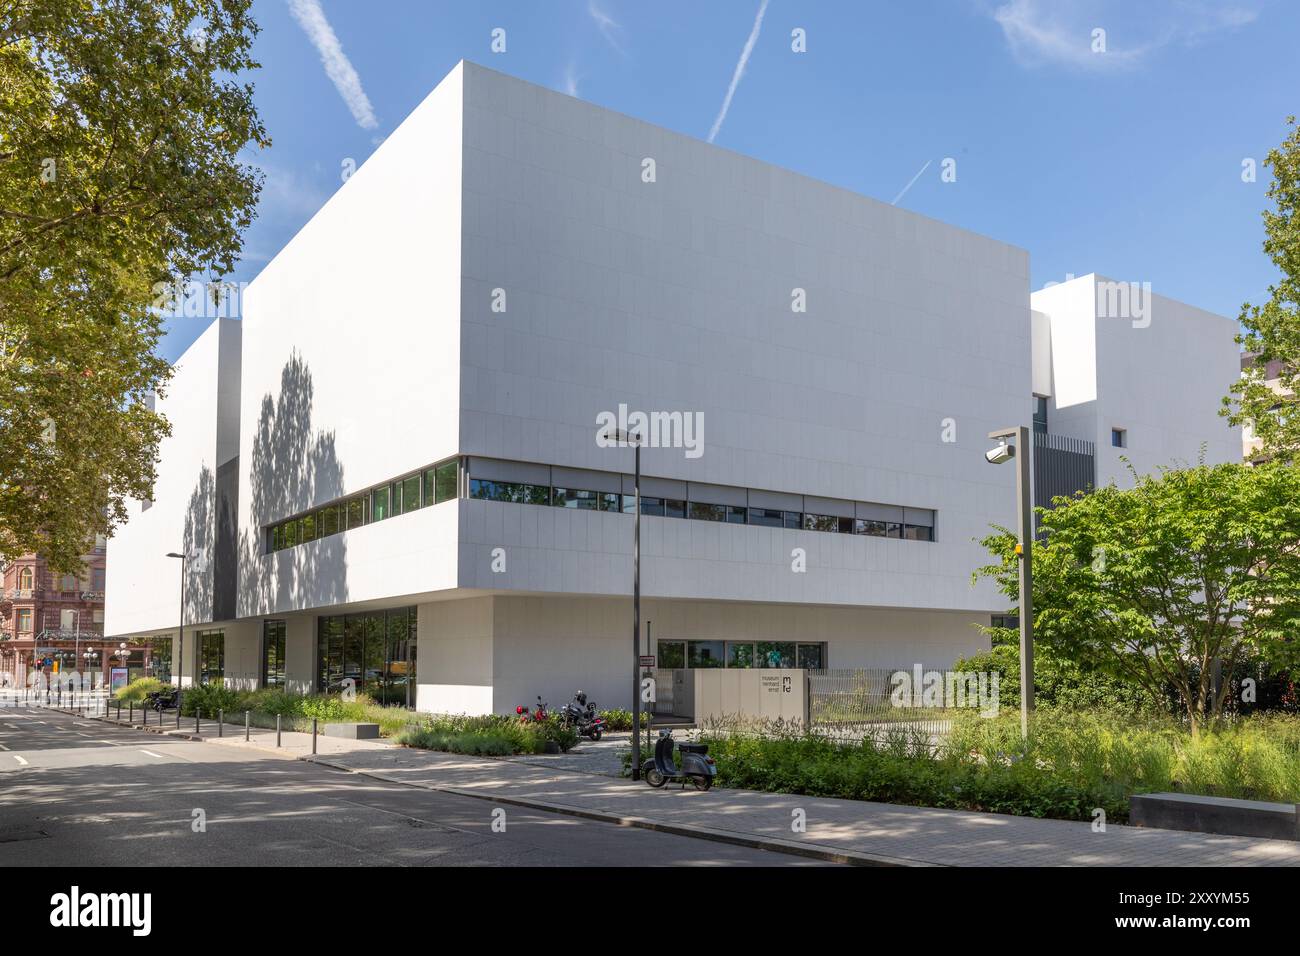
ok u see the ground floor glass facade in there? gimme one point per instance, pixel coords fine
(375, 650)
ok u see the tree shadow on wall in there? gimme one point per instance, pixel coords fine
(290, 470)
(198, 540)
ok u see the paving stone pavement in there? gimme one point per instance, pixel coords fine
(586, 782)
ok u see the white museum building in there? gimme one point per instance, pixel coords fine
(393, 470)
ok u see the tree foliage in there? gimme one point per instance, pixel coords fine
(1153, 584)
(120, 126)
(1272, 330)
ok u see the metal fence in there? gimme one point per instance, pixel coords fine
(855, 704)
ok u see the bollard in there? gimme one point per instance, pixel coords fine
(221, 722)
(313, 735)
(245, 725)
(178, 713)
(277, 730)
(197, 711)
(130, 714)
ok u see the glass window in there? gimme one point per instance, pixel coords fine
(916, 532)
(672, 654)
(845, 526)
(674, 508)
(408, 495)
(444, 478)
(880, 529)
(794, 519)
(776, 654)
(813, 522)
(740, 654)
(706, 512)
(68, 582)
(25, 579)
(1040, 414)
(610, 501)
(290, 532)
(212, 656)
(812, 657)
(768, 517)
(379, 503)
(273, 637)
(329, 654)
(24, 620)
(509, 491)
(1119, 437)
(373, 654)
(307, 529)
(160, 658)
(649, 506)
(327, 521)
(735, 515)
(574, 498)
(358, 510)
(705, 653)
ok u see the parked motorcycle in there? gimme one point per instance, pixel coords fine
(580, 714)
(696, 765)
(536, 716)
(161, 700)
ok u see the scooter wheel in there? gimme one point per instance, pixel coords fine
(655, 778)
(702, 783)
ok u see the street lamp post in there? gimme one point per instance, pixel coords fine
(1024, 551)
(620, 434)
(180, 650)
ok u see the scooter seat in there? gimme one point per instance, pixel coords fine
(693, 748)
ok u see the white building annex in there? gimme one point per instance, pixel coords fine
(390, 468)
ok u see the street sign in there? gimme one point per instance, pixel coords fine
(647, 660)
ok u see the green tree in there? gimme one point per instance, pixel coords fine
(1272, 330)
(120, 126)
(1153, 584)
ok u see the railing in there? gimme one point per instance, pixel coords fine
(865, 704)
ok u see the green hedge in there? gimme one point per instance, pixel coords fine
(1073, 763)
(489, 735)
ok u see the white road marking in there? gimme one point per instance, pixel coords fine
(3, 747)
(20, 760)
(12, 726)
(149, 752)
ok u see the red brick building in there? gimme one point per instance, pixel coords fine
(58, 618)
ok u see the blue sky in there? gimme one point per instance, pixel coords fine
(1126, 162)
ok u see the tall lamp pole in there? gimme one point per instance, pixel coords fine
(180, 651)
(1024, 552)
(635, 441)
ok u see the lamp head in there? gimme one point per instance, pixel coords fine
(1002, 453)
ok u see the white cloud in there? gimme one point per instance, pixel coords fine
(739, 71)
(338, 67)
(609, 28)
(1060, 33)
(571, 80)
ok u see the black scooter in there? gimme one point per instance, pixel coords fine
(696, 765)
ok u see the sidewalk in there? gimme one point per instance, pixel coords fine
(844, 830)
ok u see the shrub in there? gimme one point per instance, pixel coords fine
(139, 689)
(619, 719)
(1072, 763)
(206, 699)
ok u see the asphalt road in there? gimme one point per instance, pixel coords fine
(84, 793)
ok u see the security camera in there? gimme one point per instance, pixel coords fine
(1003, 452)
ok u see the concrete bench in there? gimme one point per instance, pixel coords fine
(353, 731)
(1185, 811)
